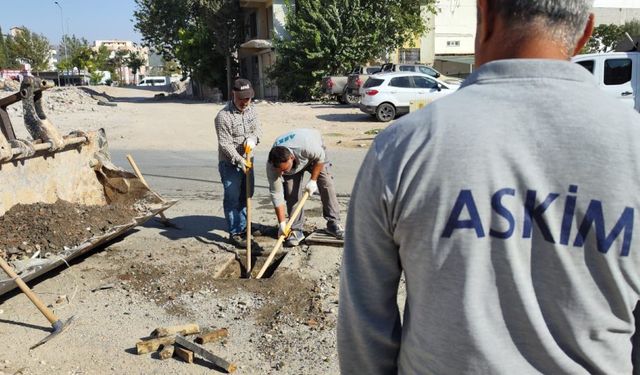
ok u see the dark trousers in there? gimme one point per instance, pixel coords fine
(294, 189)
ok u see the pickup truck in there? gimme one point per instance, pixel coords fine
(337, 85)
(617, 73)
(358, 77)
(389, 67)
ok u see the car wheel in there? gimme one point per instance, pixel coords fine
(352, 99)
(342, 99)
(385, 112)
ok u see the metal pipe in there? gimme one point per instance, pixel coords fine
(47, 145)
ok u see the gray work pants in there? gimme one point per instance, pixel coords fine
(294, 189)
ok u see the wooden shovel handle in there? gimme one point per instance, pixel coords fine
(25, 289)
(248, 189)
(282, 237)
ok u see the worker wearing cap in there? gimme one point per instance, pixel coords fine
(293, 154)
(238, 131)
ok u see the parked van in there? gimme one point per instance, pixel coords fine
(154, 81)
(618, 73)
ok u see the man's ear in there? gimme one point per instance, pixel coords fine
(586, 34)
(486, 20)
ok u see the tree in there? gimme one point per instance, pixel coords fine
(331, 36)
(31, 48)
(135, 62)
(101, 59)
(632, 27)
(606, 37)
(200, 34)
(76, 52)
(118, 61)
(4, 55)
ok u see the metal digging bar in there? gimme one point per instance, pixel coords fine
(58, 325)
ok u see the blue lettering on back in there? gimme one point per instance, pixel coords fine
(465, 199)
(286, 138)
(535, 212)
(531, 211)
(496, 203)
(595, 217)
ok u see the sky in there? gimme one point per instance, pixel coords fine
(106, 19)
(89, 19)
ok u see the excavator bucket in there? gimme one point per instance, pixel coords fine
(51, 168)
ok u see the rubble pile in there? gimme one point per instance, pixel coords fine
(56, 99)
(8, 85)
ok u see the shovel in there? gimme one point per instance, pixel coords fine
(247, 150)
(284, 235)
(58, 325)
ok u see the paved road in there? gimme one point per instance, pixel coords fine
(194, 175)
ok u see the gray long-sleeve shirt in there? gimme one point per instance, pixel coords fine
(510, 207)
(233, 127)
(307, 148)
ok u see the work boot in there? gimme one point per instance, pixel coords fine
(239, 240)
(294, 239)
(335, 230)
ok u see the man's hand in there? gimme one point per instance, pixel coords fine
(246, 164)
(312, 187)
(281, 229)
(249, 145)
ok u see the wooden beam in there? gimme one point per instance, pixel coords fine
(167, 352)
(197, 349)
(185, 329)
(148, 346)
(184, 354)
(212, 336)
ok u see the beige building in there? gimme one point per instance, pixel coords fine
(125, 72)
(616, 11)
(263, 20)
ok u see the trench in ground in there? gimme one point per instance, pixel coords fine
(237, 268)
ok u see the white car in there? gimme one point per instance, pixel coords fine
(387, 95)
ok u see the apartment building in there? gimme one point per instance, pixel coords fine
(125, 72)
(616, 11)
(264, 20)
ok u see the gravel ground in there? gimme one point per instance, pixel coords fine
(161, 276)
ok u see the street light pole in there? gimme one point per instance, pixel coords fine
(62, 26)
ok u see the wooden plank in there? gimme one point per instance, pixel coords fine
(197, 349)
(167, 352)
(184, 354)
(323, 238)
(148, 346)
(185, 329)
(212, 336)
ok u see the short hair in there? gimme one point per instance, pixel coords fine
(565, 20)
(279, 155)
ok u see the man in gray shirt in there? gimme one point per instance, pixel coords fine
(293, 154)
(238, 132)
(509, 206)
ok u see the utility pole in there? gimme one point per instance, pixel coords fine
(63, 42)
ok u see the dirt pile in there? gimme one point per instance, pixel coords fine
(49, 228)
(56, 99)
(9, 86)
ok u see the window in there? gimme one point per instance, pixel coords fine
(429, 71)
(252, 26)
(409, 55)
(617, 71)
(407, 68)
(372, 82)
(587, 64)
(424, 83)
(453, 43)
(400, 82)
(373, 69)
